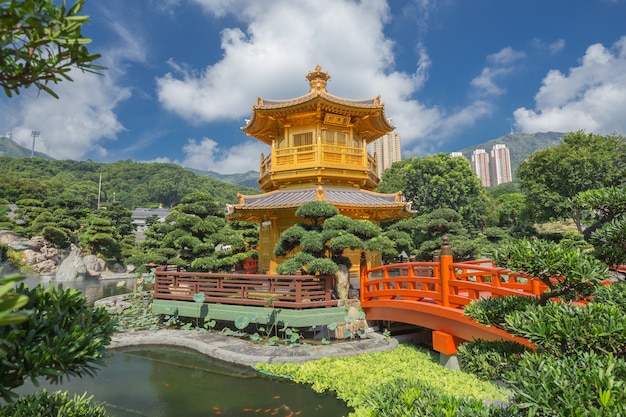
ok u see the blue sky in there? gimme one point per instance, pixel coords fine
(183, 74)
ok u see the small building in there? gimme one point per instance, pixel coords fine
(140, 215)
(318, 152)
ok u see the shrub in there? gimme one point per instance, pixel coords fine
(405, 397)
(580, 384)
(614, 294)
(45, 404)
(358, 379)
(63, 336)
(570, 274)
(489, 360)
(562, 329)
(492, 311)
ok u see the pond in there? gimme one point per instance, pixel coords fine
(160, 381)
(92, 288)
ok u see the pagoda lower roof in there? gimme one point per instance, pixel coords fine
(343, 197)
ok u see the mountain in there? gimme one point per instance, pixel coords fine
(249, 179)
(521, 145)
(12, 149)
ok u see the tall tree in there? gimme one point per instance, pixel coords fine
(196, 236)
(436, 182)
(551, 178)
(100, 237)
(40, 43)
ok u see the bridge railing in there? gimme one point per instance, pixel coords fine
(408, 281)
(445, 282)
(481, 278)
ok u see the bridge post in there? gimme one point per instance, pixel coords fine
(445, 261)
(363, 275)
(446, 345)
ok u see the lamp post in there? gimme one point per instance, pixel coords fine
(34, 134)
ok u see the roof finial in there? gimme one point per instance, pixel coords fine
(317, 80)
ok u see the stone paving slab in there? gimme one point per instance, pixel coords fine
(234, 350)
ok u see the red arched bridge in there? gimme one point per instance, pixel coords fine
(433, 295)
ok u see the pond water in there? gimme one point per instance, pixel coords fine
(159, 381)
(92, 288)
(162, 381)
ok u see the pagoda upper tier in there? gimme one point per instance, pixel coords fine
(318, 138)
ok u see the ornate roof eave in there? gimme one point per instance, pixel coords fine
(348, 199)
(264, 118)
(316, 99)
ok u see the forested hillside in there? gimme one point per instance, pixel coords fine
(249, 179)
(10, 148)
(134, 184)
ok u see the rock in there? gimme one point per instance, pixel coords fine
(32, 257)
(39, 241)
(343, 282)
(23, 244)
(93, 264)
(71, 269)
(45, 268)
(7, 236)
(118, 269)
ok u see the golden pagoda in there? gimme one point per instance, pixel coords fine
(318, 152)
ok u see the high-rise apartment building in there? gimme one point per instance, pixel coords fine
(480, 165)
(387, 151)
(500, 165)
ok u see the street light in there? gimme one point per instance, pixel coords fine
(34, 134)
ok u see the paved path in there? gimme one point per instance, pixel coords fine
(235, 350)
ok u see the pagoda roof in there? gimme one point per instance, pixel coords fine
(339, 197)
(367, 116)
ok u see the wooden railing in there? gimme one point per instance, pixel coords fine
(407, 281)
(285, 291)
(317, 155)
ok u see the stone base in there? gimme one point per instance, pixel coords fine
(449, 361)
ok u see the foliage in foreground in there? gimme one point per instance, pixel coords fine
(581, 384)
(489, 360)
(358, 379)
(62, 337)
(570, 274)
(46, 404)
(579, 366)
(41, 43)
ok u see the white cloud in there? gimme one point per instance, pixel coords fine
(78, 124)
(73, 125)
(205, 155)
(275, 44)
(591, 96)
(500, 64)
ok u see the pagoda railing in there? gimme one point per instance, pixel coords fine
(295, 292)
(317, 156)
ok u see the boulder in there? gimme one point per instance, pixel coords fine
(71, 269)
(94, 265)
(32, 257)
(45, 268)
(23, 244)
(7, 236)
